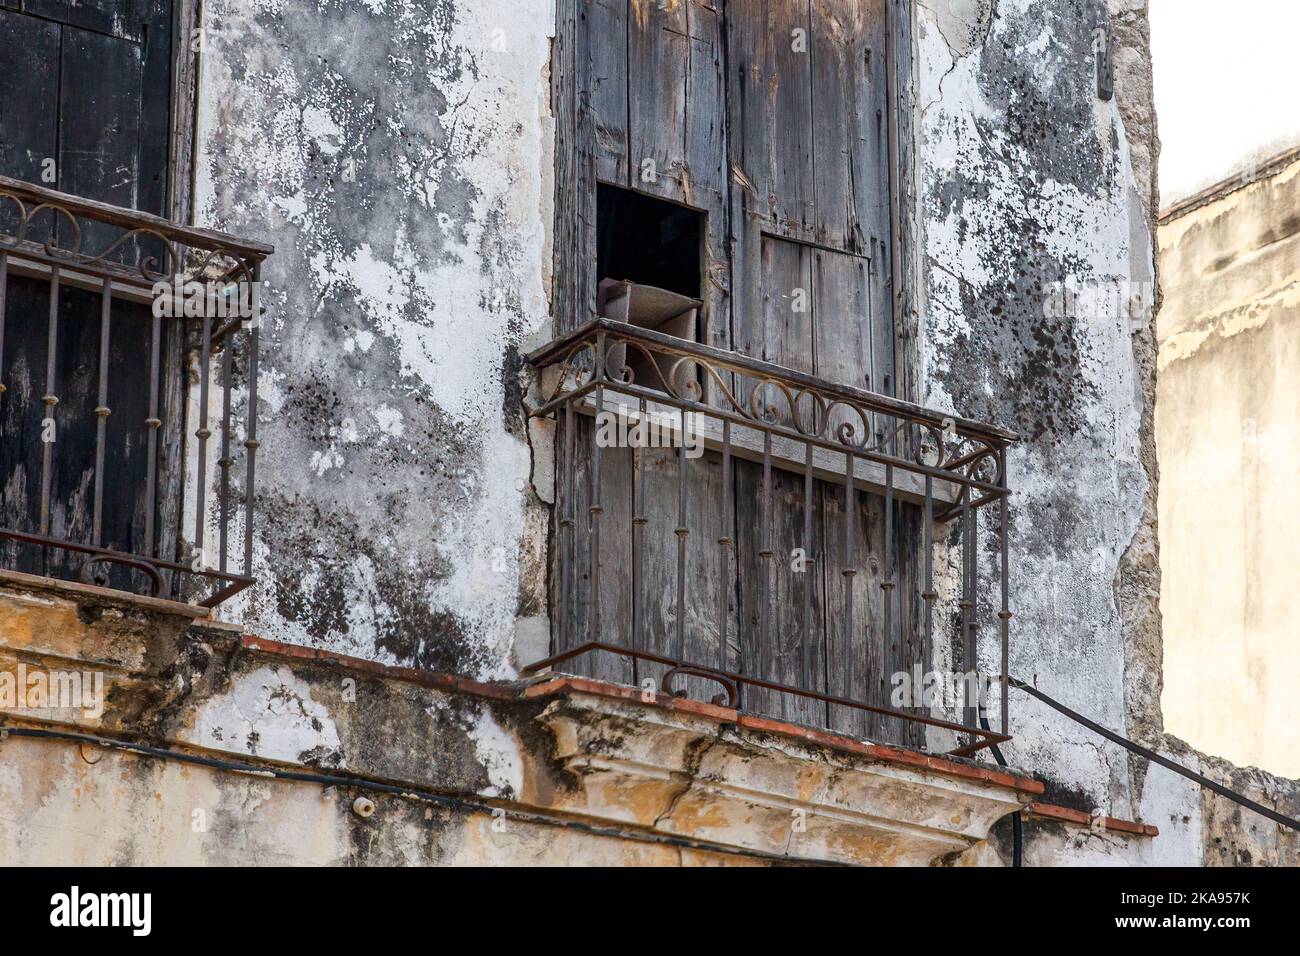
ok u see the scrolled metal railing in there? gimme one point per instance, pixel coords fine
(125, 297)
(643, 599)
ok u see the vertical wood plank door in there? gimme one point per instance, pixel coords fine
(771, 118)
(807, 97)
(85, 108)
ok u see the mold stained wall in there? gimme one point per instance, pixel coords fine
(1029, 183)
(396, 152)
(1032, 183)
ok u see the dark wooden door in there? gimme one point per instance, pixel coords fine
(85, 104)
(770, 117)
(85, 107)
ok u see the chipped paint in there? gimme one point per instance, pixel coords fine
(270, 713)
(1028, 183)
(400, 156)
(392, 151)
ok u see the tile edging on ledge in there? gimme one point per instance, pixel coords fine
(559, 684)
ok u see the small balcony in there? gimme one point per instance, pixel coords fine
(756, 537)
(128, 397)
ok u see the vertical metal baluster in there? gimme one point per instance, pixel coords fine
(724, 547)
(225, 461)
(805, 623)
(4, 285)
(153, 422)
(251, 444)
(50, 399)
(1004, 615)
(203, 433)
(638, 529)
(102, 410)
(964, 605)
(683, 532)
(973, 630)
(887, 585)
(569, 534)
(849, 573)
(595, 509)
(765, 616)
(927, 544)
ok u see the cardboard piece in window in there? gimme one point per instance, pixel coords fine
(648, 307)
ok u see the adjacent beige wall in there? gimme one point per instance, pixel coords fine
(1228, 432)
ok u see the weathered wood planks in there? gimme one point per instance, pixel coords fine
(774, 117)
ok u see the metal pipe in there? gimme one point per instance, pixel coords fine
(1154, 757)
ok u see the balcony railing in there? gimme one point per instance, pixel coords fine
(128, 370)
(725, 523)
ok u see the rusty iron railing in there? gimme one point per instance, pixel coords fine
(938, 471)
(124, 297)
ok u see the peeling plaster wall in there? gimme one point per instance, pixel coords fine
(1037, 203)
(397, 154)
(536, 764)
(75, 818)
(1030, 186)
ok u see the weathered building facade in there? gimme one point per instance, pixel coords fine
(1226, 427)
(445, 185)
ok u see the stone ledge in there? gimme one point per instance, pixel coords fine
(77, 591)
(688, 774)
(582, 748)
(562, 684)
(411, 675)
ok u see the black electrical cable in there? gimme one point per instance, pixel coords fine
(1017, 823)
(1154, 757)
(362, 783)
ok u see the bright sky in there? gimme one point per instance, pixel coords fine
(1227, 85)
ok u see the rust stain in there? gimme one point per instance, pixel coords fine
(697, 814)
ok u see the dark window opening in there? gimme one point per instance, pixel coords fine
(648, 241)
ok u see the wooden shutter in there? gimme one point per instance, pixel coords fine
(84, 108)
(771, 117)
